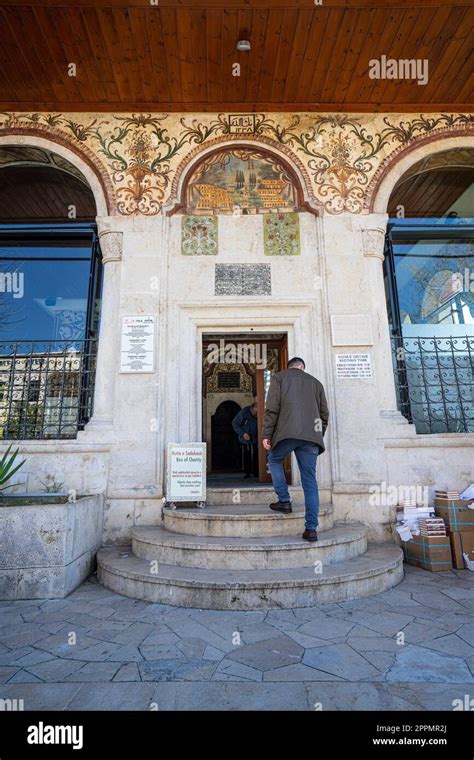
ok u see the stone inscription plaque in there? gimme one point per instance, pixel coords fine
(243, 280)
(351, 330)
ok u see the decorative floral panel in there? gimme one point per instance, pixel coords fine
(199, 236)
(282, 235)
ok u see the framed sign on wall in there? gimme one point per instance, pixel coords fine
(137, 352)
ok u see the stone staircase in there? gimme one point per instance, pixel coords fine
(243, 556)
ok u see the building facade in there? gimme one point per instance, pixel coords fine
(272, 229)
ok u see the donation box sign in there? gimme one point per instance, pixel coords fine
(186, 467)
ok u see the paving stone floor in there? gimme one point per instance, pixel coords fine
(411, 648)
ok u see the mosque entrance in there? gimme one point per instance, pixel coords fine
(237, 369)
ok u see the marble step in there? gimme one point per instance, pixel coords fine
(265, 552)
(379, 569)
(241, 521)
(253, 493)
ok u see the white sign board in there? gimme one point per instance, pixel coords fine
(186, 472)
(137, 352)
(353, 366)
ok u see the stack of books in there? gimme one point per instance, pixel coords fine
(409, 517)
(425, 511)
(432, 527)
(457, 511)
(413, 513)
(408, 513)
(451, 495)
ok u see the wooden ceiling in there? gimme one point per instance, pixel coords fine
(431, 193)
(40, 193)
(177, 55)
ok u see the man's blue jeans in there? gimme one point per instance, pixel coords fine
(306, 454)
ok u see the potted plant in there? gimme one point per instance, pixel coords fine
(7, 470)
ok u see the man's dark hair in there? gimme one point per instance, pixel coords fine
(296, 360)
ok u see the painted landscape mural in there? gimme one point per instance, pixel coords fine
(240, 181)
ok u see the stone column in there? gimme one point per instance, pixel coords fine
(108, 349)
(373, 229)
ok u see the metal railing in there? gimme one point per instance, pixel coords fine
(434, 378)
(46, 387)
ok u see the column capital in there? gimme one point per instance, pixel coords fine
(111, 245)
(373, 241)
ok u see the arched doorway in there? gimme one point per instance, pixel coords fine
(50, 281)
(226, 451)
(429, 278)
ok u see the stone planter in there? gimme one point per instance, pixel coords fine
(47, 550)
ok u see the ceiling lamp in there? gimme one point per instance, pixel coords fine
(243, 45)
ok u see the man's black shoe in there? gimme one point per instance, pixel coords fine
(282, 506)
(310, 535)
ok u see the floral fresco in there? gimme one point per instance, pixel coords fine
(141, 155)
(199, 235)
(282, 235)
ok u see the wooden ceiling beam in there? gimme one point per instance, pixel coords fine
(238, 4)
(233, 107)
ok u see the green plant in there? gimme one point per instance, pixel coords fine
(51, 485)
(6, 465)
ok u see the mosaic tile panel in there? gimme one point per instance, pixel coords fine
(243, 280)
(281, 235)
(199, 236)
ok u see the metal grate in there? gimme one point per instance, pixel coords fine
(434, 379)
(46, 388)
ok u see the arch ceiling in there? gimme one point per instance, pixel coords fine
(436, 184)
(38, 184)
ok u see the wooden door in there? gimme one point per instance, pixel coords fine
(264, 476)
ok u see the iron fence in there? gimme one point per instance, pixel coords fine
(46, 387)
(434, 378)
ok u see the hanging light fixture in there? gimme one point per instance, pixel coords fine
(243, 45)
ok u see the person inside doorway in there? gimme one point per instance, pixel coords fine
(245, 425)
(296, 418)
